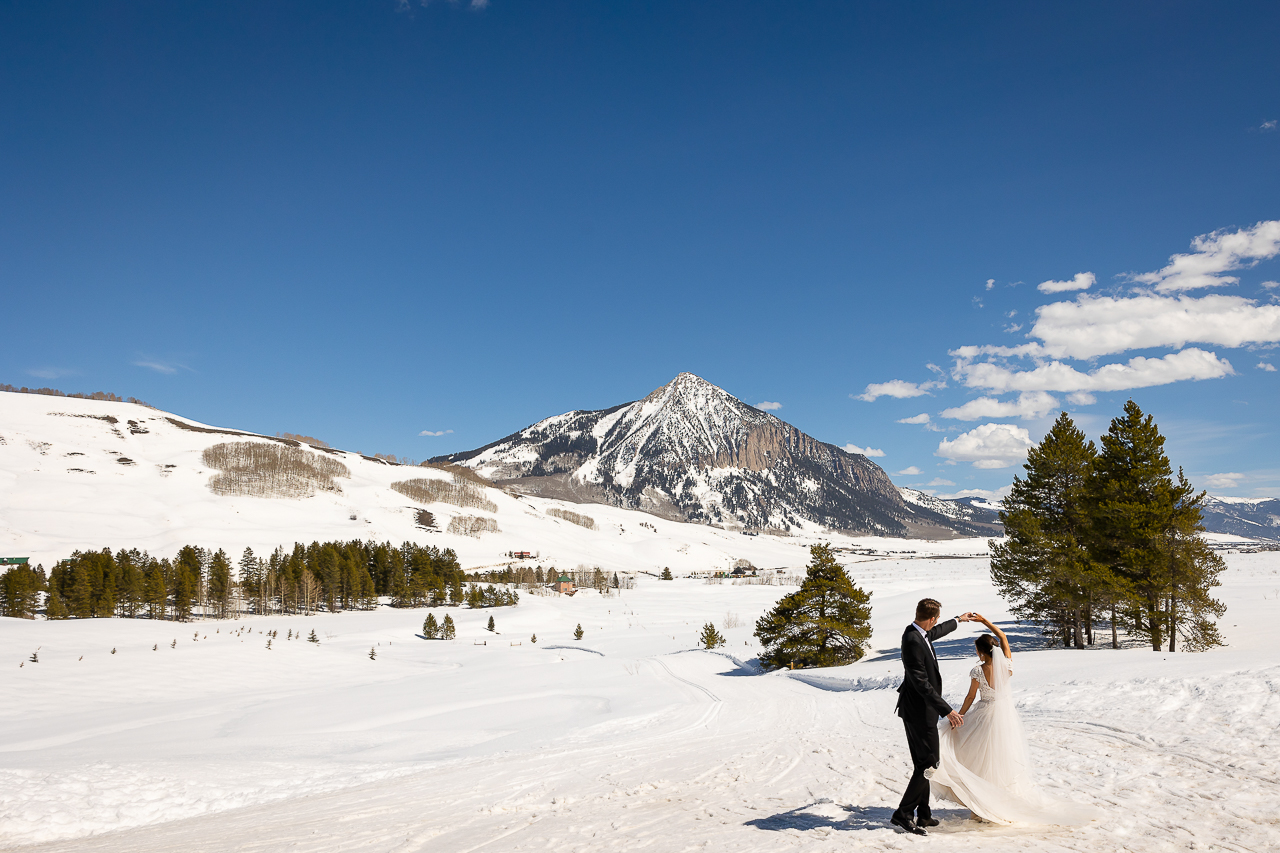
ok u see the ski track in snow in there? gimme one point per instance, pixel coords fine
(629, 742)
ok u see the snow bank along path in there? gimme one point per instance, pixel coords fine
(631, 741)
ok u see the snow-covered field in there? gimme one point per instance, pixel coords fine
(156, 736)
(626, 740)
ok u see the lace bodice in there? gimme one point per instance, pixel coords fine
(985, 691)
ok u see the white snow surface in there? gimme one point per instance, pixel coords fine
(628, 739)
(195, 736)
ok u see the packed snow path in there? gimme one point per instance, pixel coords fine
(220, 745)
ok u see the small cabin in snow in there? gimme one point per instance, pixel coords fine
(563, 584)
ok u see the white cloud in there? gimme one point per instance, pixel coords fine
(1104, 325)
(922, 418)
(993, 495)
(988, 446)
(1013, 327)
(1081, 398)
(863, 451)
(991, 282)
(1215, 254)
(1030, 404)
(768, 406)
(938, 481)
(1269, 125)
(436, 433)
(49, 372)
(1081, 281)
(897, 388)
(1270, 285)
(1223, 481)
(1138, 372)
(160, 366)
(1269, 368)
(910, 471)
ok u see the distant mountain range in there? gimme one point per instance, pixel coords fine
(693, 452)
(1253, 518)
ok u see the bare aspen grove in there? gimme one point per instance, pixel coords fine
(472, 525)
(573, 518)
(261, 469)
(456, 491)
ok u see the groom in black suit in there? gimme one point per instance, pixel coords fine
(920, 704)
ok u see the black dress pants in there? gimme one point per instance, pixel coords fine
(922, 740)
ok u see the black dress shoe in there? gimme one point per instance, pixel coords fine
(907, 823)
(926, 821)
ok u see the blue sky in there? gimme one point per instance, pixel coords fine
(370, 222)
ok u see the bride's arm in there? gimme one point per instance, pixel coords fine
(1004, 641)
(968, 700)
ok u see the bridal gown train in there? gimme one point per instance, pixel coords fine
(984, 764)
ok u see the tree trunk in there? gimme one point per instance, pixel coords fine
(1088, 621)
(1075, 628)
(1115, 640)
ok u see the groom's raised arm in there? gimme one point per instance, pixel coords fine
(916, 673)
(942, 629)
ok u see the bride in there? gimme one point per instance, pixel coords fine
(984, 763)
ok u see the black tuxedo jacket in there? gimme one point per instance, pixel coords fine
(920, 695)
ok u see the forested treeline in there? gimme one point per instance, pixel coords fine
(329, 576)
(1108, 535)
(583, 577)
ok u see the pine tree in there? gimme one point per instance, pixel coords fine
(312, 638)
(1043, 566)
(1142, 525)
(710, 638)
(373, 655)
(827, 622)
(430, 629)
(534, 638)
(666, 574)
(53, 607)
(447, 629)
(577, 632)
(220, 583)
(1192, 570)
(490, 625)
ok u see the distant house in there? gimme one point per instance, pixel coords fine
(563, 584)
(521, 555)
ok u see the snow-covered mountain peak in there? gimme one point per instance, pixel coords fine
(693, 451)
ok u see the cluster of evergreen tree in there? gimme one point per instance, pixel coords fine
(433, 630)
(20, 588)
(491, 596)
(826, 622)
(1108, 535)
(332, 576)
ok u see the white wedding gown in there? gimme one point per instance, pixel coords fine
(984, 764)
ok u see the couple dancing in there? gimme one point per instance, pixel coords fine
(977, 756)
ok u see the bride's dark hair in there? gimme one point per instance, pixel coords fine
(986, 644)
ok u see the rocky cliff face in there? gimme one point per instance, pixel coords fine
(692, 451)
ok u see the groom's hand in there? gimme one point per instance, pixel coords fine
(955, 719)
(966, 617)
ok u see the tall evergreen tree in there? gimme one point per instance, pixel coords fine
(1043, 566)
(826, 622)
(447, 629)
(430, 629)
(220, 583)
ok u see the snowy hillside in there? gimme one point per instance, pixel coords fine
(85, 474)
(692, 451)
